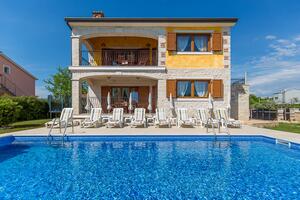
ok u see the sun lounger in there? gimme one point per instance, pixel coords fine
(183, 119)
(161, 118)
(117, 118)
(226, 121)
(94, 120)
(65, 119)
(204, 120)
(139, 118)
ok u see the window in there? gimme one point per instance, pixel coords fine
(200, 88)
(192, 88)
(193, 42)
(184, 88)
(6, 69)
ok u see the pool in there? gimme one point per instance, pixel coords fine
(174, 167)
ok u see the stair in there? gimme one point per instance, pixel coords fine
(5, 91)
(7, 87)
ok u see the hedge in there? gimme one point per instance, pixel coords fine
(9, 111)
(30, 108)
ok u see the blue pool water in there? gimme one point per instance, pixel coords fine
(150, 169)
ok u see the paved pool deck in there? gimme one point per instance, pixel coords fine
(151, 130)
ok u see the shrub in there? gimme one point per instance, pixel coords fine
(32, 108)
(9, 111)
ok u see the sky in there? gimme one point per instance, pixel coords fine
(265, 41)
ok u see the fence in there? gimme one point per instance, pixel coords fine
(263, 114)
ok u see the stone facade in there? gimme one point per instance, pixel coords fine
(159, 74)
(159, 77)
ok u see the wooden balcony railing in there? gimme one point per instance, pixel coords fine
(120, 57)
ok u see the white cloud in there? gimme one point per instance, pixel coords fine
(270, 37)
(41, 92)
(297, 38)
(278, 69)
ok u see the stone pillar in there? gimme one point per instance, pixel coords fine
(227, 62)
(297, 116)
(280, 114)
(162, 101)
(240, 102)
(76, 51)
(76, 94)
(161, 50)
(292, 114)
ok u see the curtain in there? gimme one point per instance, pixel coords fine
(135, 96)
(182, 87)
(201, 88)
(201, 43)
(183, 42)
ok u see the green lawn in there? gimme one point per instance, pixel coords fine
(288, 127)
(24, 125)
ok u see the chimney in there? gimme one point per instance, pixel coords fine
(98, 14)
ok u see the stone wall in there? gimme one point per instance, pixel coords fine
(160, 77)
(240, 102)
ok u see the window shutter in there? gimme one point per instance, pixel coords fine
(143, 96)
(171, 88)
(217, 88)
(104, 92)
(171, 42)
(217, 43)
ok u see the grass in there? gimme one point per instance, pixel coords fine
(24, 125)
(288, 127)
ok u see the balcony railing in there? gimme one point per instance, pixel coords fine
(120, 57)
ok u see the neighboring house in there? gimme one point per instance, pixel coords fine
(14, 79)
(287, 96)
(185, 57)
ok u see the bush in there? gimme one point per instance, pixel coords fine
(9, 111)
(29, 108)
(32, 108)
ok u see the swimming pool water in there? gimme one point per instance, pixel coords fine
(149, 170)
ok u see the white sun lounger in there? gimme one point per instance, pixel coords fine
(161, 118)
(117, 118)
(65, 119)
(94, 120)
(204, 120)
(139, 118)
(183, 119)
(225, 120)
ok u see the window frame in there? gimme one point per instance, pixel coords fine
(193, 88)
(192, 36)
(6, 67)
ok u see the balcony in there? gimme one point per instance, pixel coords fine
(120, 57)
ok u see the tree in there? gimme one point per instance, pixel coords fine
(262, 103)
(59, 85)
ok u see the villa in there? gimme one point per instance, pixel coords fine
(14, 79)
(152, 58)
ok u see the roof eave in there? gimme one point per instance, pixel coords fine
(148, 20)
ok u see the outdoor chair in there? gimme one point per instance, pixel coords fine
(183, 119)
(139, 118)
(161, 118)
(117, 118)
(95, 119)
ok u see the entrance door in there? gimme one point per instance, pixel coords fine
(120, 97)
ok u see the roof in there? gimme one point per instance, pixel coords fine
(149, 20)
(16, 64)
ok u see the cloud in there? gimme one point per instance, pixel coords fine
(41, 92)
(278, 69)
(270, 37)
(297, 38)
